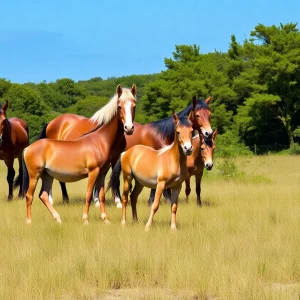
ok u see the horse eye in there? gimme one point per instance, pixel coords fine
(177, 132)
(119, 107)
(197, 116)
(202, 149)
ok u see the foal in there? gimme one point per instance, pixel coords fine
(202, 157)
(160, 169)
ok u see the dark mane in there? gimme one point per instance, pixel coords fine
(165, 127)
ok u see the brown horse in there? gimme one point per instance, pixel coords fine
(14, 137)
(202, 157)
(149, 168)
(155, 134)
(70, 127)
(88, 156)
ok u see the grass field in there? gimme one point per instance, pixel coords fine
(244, 243)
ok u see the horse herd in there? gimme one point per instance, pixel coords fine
(159, 155)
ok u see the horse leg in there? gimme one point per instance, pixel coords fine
(174, 204)
(187, 188)
(64, 192)
(159, 189)
(198, 187)
(47, 182)
(167, 194)
(33, 179)
(101, 193)
(126, 188)
(96, 190)
(151, 197)
(92, 177)
(10, 177)
(133, 199)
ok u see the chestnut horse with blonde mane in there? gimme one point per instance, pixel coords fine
(148, 167)
(88, 156)
(200, 159)
(155, 134)
(14, 137)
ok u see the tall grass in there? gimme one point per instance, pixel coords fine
(242, 244)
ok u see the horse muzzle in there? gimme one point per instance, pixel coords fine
(129, 129)
(188, 150)
(208, 165)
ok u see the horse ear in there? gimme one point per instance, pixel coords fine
(175, 117)
(191, 116)
(133, 90)
(208, 100)
(214, 134)
(5, 106)
(194, 101)
(119, 90)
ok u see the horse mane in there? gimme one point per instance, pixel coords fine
(165, 127)
(105, 114)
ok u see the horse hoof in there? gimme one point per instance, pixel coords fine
(85, 222)
(9, 198)
(28, 221)
(147, 228)
(119, 205)
(173, 228)
(97, 204)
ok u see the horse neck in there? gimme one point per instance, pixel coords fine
(110, 132)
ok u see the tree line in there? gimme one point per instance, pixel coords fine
(255, 90)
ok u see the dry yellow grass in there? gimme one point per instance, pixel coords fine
(242, 244)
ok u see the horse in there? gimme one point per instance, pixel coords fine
(14, 137)
(202, 157)
(87, 156)
(155, 134)
(148, 167)
(70, 127)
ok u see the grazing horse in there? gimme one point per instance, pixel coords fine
(149, 168)
(88, 156)
(14, 137)
(202, 157)
(70, 127)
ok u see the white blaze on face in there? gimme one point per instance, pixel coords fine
(128, 115)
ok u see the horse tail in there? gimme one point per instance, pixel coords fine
(114, 181)
(43, 134)
(22, 180)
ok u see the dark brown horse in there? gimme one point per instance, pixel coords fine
(88, 156)
(14, 137)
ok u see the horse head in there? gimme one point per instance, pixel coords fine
(207, 150)
(184, 130)
(2, 119)
(202, 117)
(126, 107)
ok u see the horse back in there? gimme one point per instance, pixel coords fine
(69, 127)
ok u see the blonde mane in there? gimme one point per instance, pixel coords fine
(105, 114)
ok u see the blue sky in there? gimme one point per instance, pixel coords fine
(46, 40)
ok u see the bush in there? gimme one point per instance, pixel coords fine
(295, 149)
